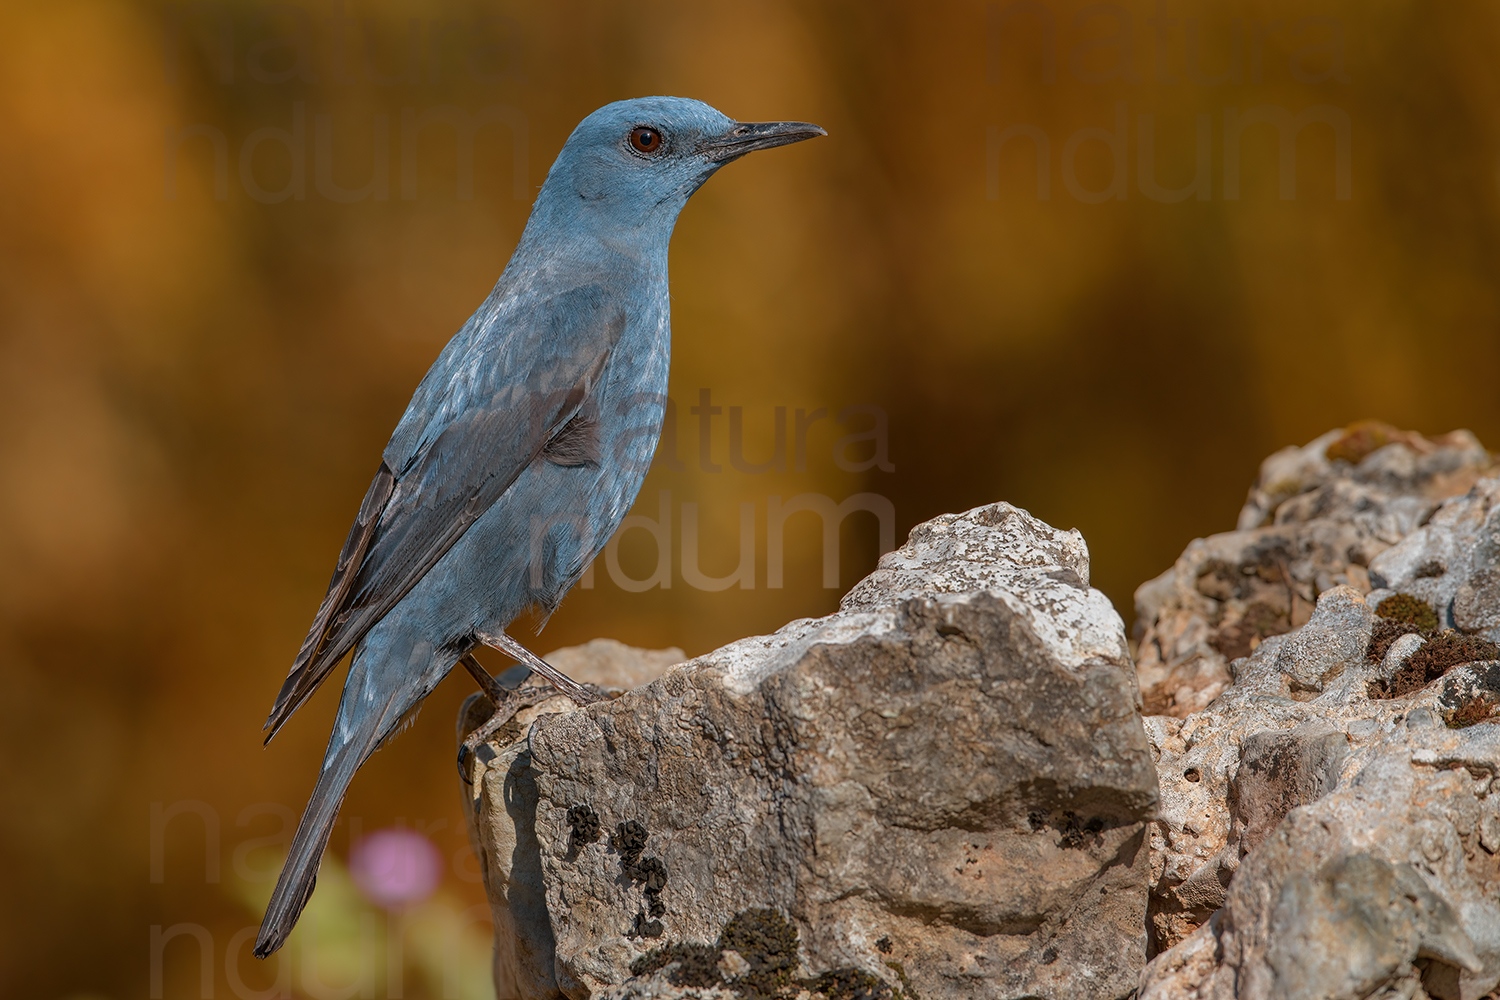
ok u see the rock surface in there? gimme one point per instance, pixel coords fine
(613, 665)
(1320, 837)
(1316, 517)
(942, 790)
(946, 790)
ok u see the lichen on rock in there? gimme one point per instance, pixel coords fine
(1317, 517)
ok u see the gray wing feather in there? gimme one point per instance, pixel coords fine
(504, 387)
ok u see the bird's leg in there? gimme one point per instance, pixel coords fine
(492, 688)
(502, 711)
(560, 680)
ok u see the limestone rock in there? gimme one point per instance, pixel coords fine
(1452, 562)
(1398, 653)
(1280, 770)
(1384, 883)
(1319, 840)
(945, 789)
(942, 790)
(1333, 641)
(613, 665)
(1316, 518)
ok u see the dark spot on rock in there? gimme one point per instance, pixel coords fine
(629, 839)
(695, 964)
(1074, 831)
(947, 631)
(1436, 657)
(1406, 608)
(654, 874)
(1049, 955)
(1259, 620)
(884, 945)
(585, 825)
(1069, 578)
(1429, 569)
(1217, 580)
(1078, 833)
(850, 984)
(645, 927)
(768, 941)
(650, 871)
(1193, 774)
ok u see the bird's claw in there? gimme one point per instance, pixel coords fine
(509, 704)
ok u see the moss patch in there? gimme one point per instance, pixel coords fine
(768, 941)
(907, 990)
(1449, 649)
(1406, 608)
(1438, 655)
(768, 949)
(686, 964)
(1471, 711)
(851, 984)
(1387, 632)
(1403, 614)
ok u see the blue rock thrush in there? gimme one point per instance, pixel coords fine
(522, 449)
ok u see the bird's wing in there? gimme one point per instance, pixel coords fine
(505, 387)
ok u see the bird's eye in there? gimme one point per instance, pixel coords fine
(645, 140)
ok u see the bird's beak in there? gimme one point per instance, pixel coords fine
(747, 137)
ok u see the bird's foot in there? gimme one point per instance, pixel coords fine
(509, 703)
(582, 694)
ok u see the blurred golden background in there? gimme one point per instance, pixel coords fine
(1094, 259)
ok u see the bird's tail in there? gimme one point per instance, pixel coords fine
(381, 692)
(300, 871)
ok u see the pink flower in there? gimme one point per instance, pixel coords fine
(396, 867)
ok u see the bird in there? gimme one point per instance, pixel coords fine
(522, 449)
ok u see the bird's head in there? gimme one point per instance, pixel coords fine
(630, 166)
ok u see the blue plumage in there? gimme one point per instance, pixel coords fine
(522, 448)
